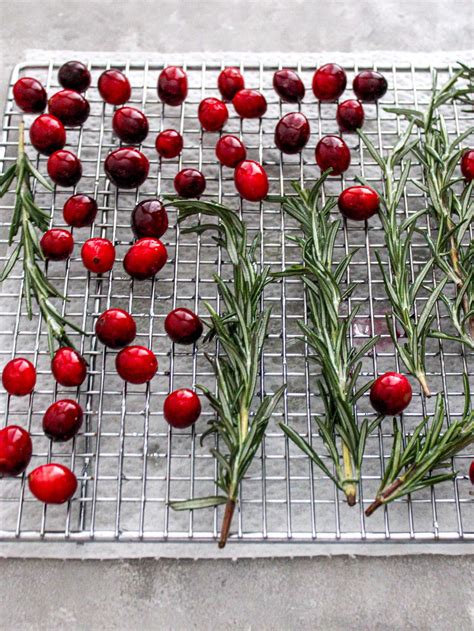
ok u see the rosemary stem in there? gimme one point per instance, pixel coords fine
(383, 497)
(244, 423)
(349, 487)
(226, 522)
(421, 376)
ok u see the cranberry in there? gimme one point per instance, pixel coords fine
(98, 255)
(189, 183)
(329, 82)
(29, 95)
(182, 408)
(288, 85)
(70, 107)
(183, 326)
(229, 82)
(127, 167)
(69, 368)
(350, 115)
(172, 85)
(75, 76)
(169, 143)
(390, 394)
(57, 244)
(62, 420)
(15, 450)
(114, 87)
(471, 472)
(292, 133)
(249, 104)
(19, 377)
(358, 202)
(369, 86)
(333, 153)
(251, 181)
(149, 219)
(52, 483)
(130, 125)
(136, 364)
(47, 134)
(212, 114)
(467, 164)
(115, 328)
(79, 211)
(230, 151)
(64, 168)
(145, 258)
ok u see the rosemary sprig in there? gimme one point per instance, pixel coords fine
(241, 330)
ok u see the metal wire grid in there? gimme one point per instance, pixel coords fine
(128, 461)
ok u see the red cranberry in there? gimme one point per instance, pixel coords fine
(115, 328)
(229, 82)
(145, 258)
(69, 368)
(212, 114)
(333, 153)
(169, 144)
(358, 202)
(189, 183)
(288, 85)
(64, 168)
(249, 104)
(149, 219)
(251, 181)
(80, 211)
(471, 472)
(182, 408)
(29, 95)
(47, 134)
(292, 133)
(52, 483)
(350, 115)
(114, 87)
(15, 450)
(74, 75)
(127, 167)
(183, 326)
(136, 364)
(70, 107)
(19, 377)
(130, 125)
(467, 164)
(57, 244)
(62, 420)
(369, 86)
(230, 151)
(390, 394)
(98, 255)
(172, 85)
(329, 82)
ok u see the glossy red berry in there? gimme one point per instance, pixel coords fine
(183, 326)
(292, 133)
(57, 244)
(62, 420)
(29, 95)
(64, 168)
(127, 167)
(358, 202)
(333, 153)
(169, 144)
(70, 107)
(74, 75)
(390, 394)
(251, 181)
(115, 328)
(471, 472)
(114, 87)
(130, 125)
(15, 450)
(80, 211)
(467, 164)
(329, 82)
(149, 219)
(47, 134)
(230, 150)
(136, 364)
(182, 408)
(145, 258)
(69, 368)
(350, 115)
(52, 483)
(212, 114)
(98, 255)
(172, 85)
(229, 82)
(369, 86)
(288, 85)
(249, 104)
(189, 183)
(19, 377)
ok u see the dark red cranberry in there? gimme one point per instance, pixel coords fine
(288, 85)
(127, 167)
(136, 364)
(183, 326)
(471, 472)
(467, 164)
(350, 115)
(230, 151)
(390, 394)
(98, 255)
(251, 181)
(62, 420)
(57, 244)
(19, 377)
(70, 107)
(172, 85)
(149, 219)
(358, 202)
(69, 368)
(229, 82)
(369, 86)
(212, 114)
(29, 95)
(182, 408)
(47, 134)
(333, 153)
(189, 183)
(329, 82)
(169, 144)
(74, 75)
(64, 168)
(249, 104)
(292, 133)
(52, 483)
(115, 328)
(15, 450)
(114, 87)
(145, 258)
(80, 211)
(130, 125)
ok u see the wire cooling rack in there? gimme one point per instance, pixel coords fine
(129, 463)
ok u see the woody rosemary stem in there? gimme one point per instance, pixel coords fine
(386, 494)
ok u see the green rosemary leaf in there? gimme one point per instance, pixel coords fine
(308, 450)
(202, 502)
